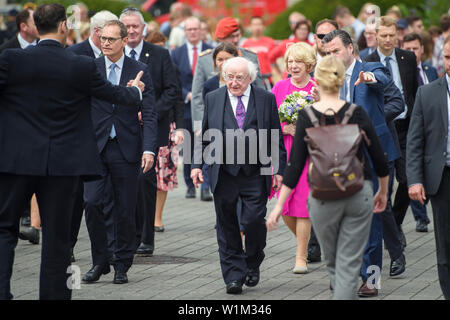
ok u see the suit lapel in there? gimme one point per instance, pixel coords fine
(443, 98)
(354, 77)
(219, 110)
(146, 53)
(101, 66)
(123, 76)
(402, 68)
(258, 103)
(185, 60)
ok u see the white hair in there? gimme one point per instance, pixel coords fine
(100, 18)
(133, 13)
(251, 67)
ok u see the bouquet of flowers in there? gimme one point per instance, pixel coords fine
(293, 103)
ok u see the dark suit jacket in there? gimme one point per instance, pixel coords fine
(430, 71)
(181, 58)
(408, 73)
(124, 118)
(82, 48)
(12, 43)
(393, 106)
(176, 114)
(45, 116)
(164, 84)
(267, 118)
(428, 136)
(371, 98)
(210, 85)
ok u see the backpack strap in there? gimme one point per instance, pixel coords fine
(349, 113)
(312, 116)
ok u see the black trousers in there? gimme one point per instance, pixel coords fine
(77, 214)
(234, 261)
(56, 198)
(440, 203)
(124, 185)
(146, 206)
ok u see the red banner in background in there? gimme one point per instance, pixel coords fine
(242, 9)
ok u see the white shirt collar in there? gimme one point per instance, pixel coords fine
(138, 49)
(245, 94)
(24, 43)
(198, 46)
(119, 63)
(349, 70)
(97, 51)
(382, 56)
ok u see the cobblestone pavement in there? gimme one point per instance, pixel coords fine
(185, 265)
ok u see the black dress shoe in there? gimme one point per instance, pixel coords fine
(159, 229)
(94, 274)
(234, 287)
(398, 266)
(206, 195)
(31, 234)
(252, 277)
(145, 249)
(120, 277)
(190, 193)
(421, 226)
(314, 258)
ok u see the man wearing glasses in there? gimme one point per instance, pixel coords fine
(235, 107)
(122, 151)
(166, 92)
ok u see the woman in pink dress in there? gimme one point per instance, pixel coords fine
(300, 60)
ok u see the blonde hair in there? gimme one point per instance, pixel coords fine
(303, 52)
(330, 74)
(387, 21)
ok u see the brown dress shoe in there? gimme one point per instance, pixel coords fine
(365, 292)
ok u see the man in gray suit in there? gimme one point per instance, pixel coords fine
(227, 30)
(428, 161)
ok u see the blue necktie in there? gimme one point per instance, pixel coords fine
(388, 65)
(344, 90)
(113, 79)
(133, 54)
(419, 76)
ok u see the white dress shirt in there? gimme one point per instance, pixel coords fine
(395, 76)
(190, 50)
(234, 99)
(423, 74)
(138, 50)
(24, 43)
(97, 51)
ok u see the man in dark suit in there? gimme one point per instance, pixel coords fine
(121, 149)
(185, 57)
(90, 48)
(27, 34)
(365, 85)
(48, 143)
(402, 68)
(425, 74)
(243, 175)
(166, 96)
(428, 161)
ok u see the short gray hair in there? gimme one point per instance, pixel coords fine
(251, 67)
(133, 13)
(100, 18)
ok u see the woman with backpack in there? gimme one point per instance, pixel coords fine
(341, 200)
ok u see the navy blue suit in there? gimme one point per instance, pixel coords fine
(430, 71)
(231, 181)
(181, 59)
(121, 160)
(46, 113)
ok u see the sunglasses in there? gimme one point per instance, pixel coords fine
(130, 9)
(321, 35)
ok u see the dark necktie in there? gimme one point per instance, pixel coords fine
(388, 65)
(419, 77)
(133, 54)
(240, 113)
(194, 59)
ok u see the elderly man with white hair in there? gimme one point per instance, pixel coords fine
(241, 130)
(91, 46)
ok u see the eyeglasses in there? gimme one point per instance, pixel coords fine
(321, 35)
(110, 40)
(130, 9)
(239, 78)
(191, 29)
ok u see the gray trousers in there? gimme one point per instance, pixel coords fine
(342, 228)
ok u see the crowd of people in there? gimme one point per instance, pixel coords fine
(95, 114)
